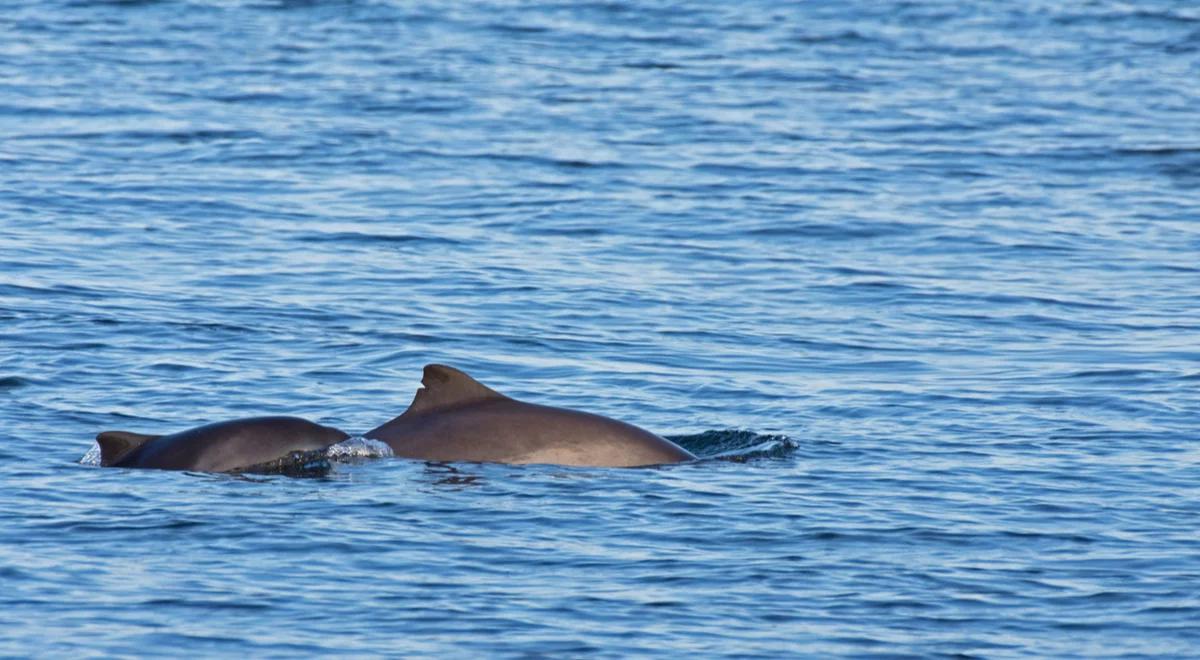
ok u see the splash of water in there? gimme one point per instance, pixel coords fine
(359, 447)
(92, 457)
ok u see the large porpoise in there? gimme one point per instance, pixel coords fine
(236, 445)
(456, 418)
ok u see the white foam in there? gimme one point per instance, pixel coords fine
(92, 457)
(359, 447)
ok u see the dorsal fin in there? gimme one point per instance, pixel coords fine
(447, 387)
(115, 445)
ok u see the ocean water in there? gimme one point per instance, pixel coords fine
(919, 282)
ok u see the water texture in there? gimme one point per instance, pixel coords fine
(919, 281)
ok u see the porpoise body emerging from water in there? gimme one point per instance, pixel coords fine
(236, 445)
(456, 418)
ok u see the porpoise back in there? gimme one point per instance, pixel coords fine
(456, 418)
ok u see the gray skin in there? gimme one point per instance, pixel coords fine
(456, 418)
(237, 445)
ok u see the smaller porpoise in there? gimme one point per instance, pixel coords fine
(233, 446)
(457, 418)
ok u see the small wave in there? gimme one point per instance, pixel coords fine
(736, 445)
(1114, 374)
(843, 37)
(355, 237)
(14, 382)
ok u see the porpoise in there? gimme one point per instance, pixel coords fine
(236, 445)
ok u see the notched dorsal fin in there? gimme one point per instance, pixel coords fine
(115, 445)
(446, 387)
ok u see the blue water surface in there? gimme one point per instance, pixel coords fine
(919, 282)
